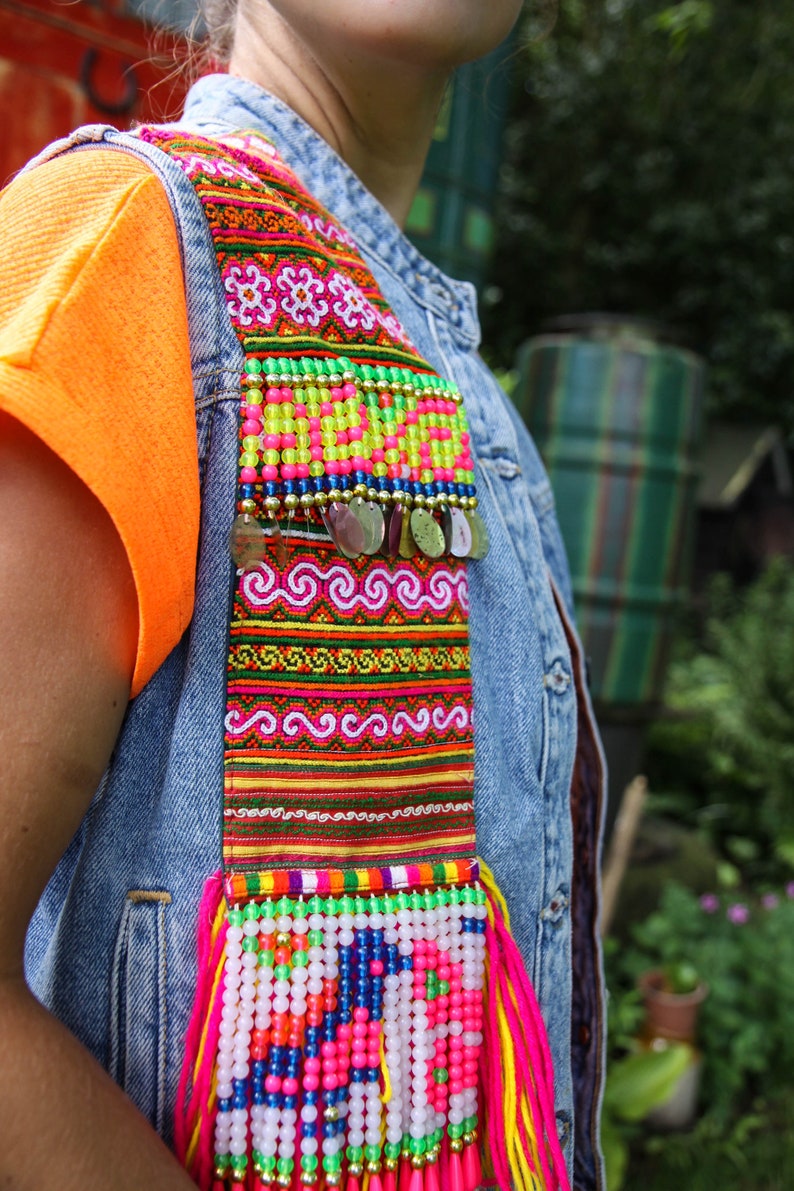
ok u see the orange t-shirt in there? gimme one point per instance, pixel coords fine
(95, 359)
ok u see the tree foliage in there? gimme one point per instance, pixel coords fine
(650, 170)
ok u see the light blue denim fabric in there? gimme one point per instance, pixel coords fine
(111, 947)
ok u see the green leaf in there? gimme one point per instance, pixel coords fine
(641, 1082)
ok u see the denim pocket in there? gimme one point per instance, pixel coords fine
(137, 1059)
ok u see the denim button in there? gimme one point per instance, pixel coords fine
(557, 679)
(554, 911)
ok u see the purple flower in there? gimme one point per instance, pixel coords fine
(790, 889)
(710, 903)
(738, 914)
(770, 901)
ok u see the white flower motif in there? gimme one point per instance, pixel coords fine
(351, 305)
(302, 301)
(247, 288)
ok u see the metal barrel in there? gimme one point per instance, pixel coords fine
(617, 414)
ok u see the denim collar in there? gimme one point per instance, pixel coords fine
(220, 102)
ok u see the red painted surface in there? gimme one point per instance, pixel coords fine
(70, 62)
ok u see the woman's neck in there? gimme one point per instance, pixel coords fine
(375, 112)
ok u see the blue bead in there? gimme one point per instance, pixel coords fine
(290, 1102)
(224, 1106)
(357, 1075)
(303, 486)
(247, 491)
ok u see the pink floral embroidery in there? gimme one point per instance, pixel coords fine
(248, 287)
(302, 301)
(351, 306)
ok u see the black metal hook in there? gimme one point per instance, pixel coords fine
(119, 107)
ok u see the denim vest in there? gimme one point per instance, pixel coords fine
(110, 949)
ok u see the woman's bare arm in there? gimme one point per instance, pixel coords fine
(68, 630)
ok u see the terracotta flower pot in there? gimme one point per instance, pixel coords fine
(668, 1014)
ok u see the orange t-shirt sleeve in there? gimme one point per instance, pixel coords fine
(95, 359)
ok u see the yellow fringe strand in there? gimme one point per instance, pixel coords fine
(217, 926)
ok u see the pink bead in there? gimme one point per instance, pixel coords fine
(273, 396)
(355, 434)
(302, 470)
(359, 1060)
(248, 475)
(289, 1086)
(310, 1082)
(337, 394)
(327, 409)
(420, 965)
(316, 453)
(341, 438)
(251, 427)
(288, 471)
(345, 1031)
(378, 455)
(433, 432)
(455, 1087)
(420, 992)
(288, 440)
(312, 1066)
(270, 472)
(272, 1083)
(357, 462)
(272, 442)
(328, 1049)
(373, 1058)
(332, 467)
(330, 1066)
(444, 433)
(469, 996)
(300, 410)
(469, 1068)
(345, 467)
(455, 1042)
(420, 947)
(349, 390)
(411, 417)
(442, 1002)
(315, 438)
(443, 958)
(314, 424)
(360, 1013)
(286, 393)
(329, 1083)
(254, 412)
(390, 442)
(359, 1031)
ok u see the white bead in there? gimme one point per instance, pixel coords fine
(284, 924)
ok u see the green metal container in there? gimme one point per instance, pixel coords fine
(451, 220)
(617, 413)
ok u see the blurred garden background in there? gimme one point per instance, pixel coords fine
(648, 172)
(619, 183)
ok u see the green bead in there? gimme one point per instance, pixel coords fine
(309, 1161)
(316, 905)
(467, 897)
(454, 895)
(375, 905)
(392, 1149)
(455, 1130)
(429, 901)
(416, 901)
(372, 1153)
(331, 906)
(253, 367)
(470, 1124)
(315, 938)
(300, 959)
(441, 1075)
(346, 905)
(236, 918)
(221, 1161)
(284, 906)
(345, 365)
(250, 943)
(282, 971)
(360, 906)
(306, 366)
(388, 904)
(402, 901)
(332, 1162)
(481, 896)
(417, 1145)
(239, 1161)
(266, 958)
(300, 909)
(268, 1161)
(443, 988)
(251, 910)
(285, 1165)
(355, 1153)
